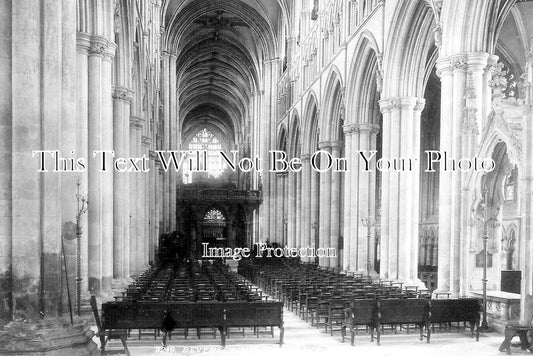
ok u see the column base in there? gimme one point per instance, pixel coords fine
(47, 337)
(415, 282)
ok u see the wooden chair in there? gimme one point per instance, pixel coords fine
(106, 335)
(520, 330)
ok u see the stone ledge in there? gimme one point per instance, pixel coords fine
(47, 337)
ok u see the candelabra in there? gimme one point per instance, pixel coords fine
(82, 209)
(368, 224)
(481, 215)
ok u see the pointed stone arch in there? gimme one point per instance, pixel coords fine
(310, 121)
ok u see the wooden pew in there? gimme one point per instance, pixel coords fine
(251, 314)
(403, 311)
(361, 312)
(456, 310)
(221, 316)
(106, 334)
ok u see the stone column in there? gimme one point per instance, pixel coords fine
(348, 199)
(35, 104)
(299, 238)
(134, 209)
(120, 137)
(314, 216)
(272, 121)
(97, 49)
(365, 209)
(166, 139)
(107, 177)
(265, 132)
(83, 42)
(6, 132)
(280, 199)
(292, 238)
(458, 138)
(147, 213)
(139, 202)
(325, 201)
(402, 133)
(526, 201)
(305, 204)
(127, 181)
(353, 236)
(334, 231)
(173, 139)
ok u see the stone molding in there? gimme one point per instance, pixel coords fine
(465, 61)
(401, 103)
(305, 157)
(136, 122)
(122, 93)
(83, 42)
(367, 127)
(324, 145)
(146, 141)
(336, 144)
(98, 46)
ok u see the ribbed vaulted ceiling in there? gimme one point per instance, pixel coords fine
(220, 46)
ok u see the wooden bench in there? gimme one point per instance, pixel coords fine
(361, 312)
(456, 310)
(108, 334)
(215, 315)
(403, 311)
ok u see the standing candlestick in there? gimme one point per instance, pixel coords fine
(481, 215)
(82, 209)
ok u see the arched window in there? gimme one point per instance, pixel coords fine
(204, 141)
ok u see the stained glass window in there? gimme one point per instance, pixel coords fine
(208, 147)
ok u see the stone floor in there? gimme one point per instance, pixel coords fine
(303, 339)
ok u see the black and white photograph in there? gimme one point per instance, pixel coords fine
(266, 177)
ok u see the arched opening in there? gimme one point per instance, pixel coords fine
(499, 206)
(429, 180)
(213, 228)
(207, 161)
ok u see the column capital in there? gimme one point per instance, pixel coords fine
(336, 144)
(122, 93)
(324, 145)
(366, 127)
(477, 61)
(401, 103)
(349, 129)
(83, 42)
(154, 157)
(110, 51)
(136, 122)
(459, 62)
(491, 63)
(98, 46)
(146, 141)
(388, 105)
(420, 104)
(462, 62)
